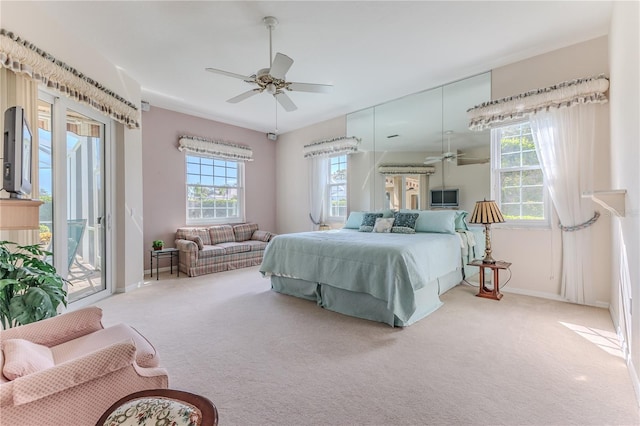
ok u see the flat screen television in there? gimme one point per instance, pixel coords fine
(16, 164)
(443, 198)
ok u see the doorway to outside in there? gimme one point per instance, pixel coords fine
(72, 154)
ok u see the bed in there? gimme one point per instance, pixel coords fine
(393, 278)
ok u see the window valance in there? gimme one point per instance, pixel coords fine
(405, 169)
(566, 94)
(215, 148)
(20, 56)
(341, 145)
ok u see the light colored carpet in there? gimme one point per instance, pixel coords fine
(266, 358)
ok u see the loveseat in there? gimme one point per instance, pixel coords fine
(220, 248)
(67, 370)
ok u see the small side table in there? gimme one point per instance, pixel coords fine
(484, 291)
(167, 252)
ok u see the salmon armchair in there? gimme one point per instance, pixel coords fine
(69, 369)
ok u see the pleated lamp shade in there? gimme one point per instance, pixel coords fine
(486, 212)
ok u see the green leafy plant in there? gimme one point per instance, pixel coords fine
(158, 244)
(30, 288)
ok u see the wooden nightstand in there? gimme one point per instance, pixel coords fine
(485, 292)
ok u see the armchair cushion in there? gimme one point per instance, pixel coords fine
(73, 373)
(146, 355)
(23, 357)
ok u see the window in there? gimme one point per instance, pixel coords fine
(337, 188)
(214, 190)
(518, 182)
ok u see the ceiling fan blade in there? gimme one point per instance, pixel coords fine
(280, 66)
(285, 101)
(229, 74)
(309, 87)
(243, 96)
(432, 160)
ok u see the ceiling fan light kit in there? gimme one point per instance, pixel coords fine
(273, 79)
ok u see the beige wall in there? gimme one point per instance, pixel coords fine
(624, 53)
(163, 169)
(28, 21)
(536, 253)
(292, 175)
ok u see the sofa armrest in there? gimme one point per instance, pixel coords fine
(73, 373)
(186, 245)
(59, 329)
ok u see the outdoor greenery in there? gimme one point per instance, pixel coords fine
(30, 288)
(522, 187)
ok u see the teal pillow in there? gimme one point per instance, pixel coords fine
(438, 221)
(354, 220)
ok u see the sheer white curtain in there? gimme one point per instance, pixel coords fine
(564, 139)
(318, 171)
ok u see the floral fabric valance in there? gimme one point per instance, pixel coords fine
(406, 169)
(215, 148)
(20, 56)
(342, 145)
(568, 93)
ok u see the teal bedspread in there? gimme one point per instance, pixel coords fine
(389, 267)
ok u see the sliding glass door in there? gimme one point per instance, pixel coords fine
(72, 149)
(85, 204)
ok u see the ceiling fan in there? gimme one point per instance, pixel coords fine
(449, 155)
(272, 79)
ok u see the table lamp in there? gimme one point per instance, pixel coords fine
(486, 213)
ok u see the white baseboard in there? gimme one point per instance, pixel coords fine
(633, 373)
(550, 296)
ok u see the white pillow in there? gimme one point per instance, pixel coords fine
(383, 225)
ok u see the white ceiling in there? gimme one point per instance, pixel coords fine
(371, 52)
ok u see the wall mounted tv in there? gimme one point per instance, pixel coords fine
(16, 164)
(444, 198)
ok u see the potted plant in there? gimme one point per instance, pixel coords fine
(158, 245)
(30, 288)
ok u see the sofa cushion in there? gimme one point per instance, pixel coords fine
(22, 357)
(231, 248)
(146, 355)
(208, 252)
(203, 233)
(256, 245)
(244, 231)
(259, 235)
(221, 234)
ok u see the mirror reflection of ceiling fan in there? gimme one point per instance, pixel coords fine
(273, 79)
(450, 156)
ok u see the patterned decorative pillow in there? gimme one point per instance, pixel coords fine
(244, 231)
(196, 239)
(222, 234)
(264, 236)
(383, 225)
(368, 221)
(22, 357)
(404, 223)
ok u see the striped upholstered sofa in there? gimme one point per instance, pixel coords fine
(220, 248)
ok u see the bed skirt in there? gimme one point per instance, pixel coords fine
(362, 305)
